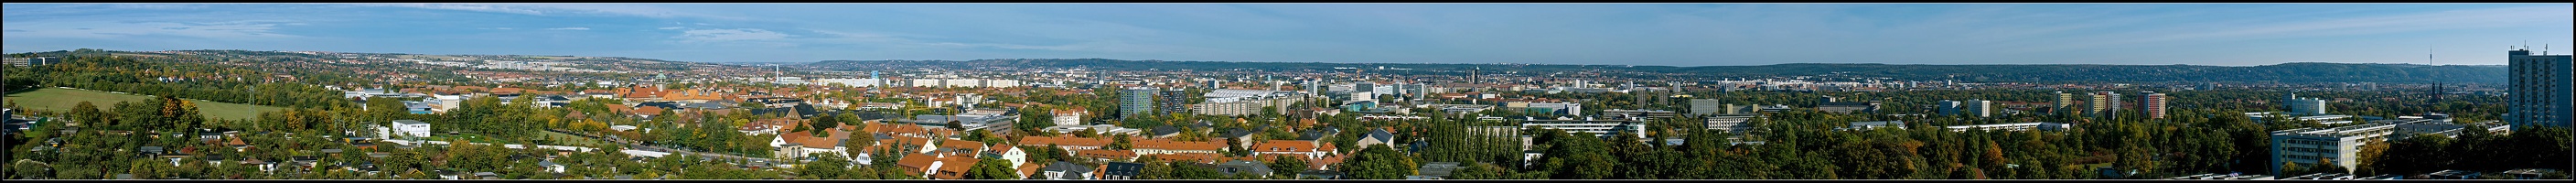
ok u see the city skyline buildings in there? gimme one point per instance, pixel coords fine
(1667, 34)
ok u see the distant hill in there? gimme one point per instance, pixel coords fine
(2287, 72)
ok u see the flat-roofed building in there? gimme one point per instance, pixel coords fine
(1603, 128)
(2340, 145)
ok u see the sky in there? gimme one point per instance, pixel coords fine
(1669, 34)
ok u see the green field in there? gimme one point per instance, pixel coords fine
(62, 100)
(573, 140)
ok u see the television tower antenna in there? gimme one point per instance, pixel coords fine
(2437, 81)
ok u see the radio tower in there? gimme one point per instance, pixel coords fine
(2437, 81)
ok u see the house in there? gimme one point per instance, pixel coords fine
(1061, 170)
(1121, 170)
(209, 136)
(1168, 146)
(148, 151)
(953, 167)
(1068, 117)
(1241, 138)
(237, 144)
(1304, 148)
(954, 147)
(1318, 133)
(1866, 125)
(2531, 173)
(264, 166)
(1165, 131)
(1105, 154)
(1230, 168)
(1186, 157)
(411, 128)
(551, 166)
(1374, 137)
(917, 165)
(449, 175)
(2453, 174)
(1026, 170)
(1006, 152)
(1319, 174)
(487, 176)
(796, 145)
(1067, 143)
(1436, 170)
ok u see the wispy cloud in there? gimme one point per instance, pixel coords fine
(2440, 20)
(671, 28)
(723, 35)
(569, 28)
(640, 10)
(464, 7)
(236, 30)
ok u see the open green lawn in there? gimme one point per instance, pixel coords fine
(62, 100)
(573, 140)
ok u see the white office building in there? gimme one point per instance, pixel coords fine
(410, 128)
(2340, 145)
(1602, 128)
(859, 82)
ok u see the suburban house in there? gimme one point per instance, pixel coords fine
(1066, 171)
(954, 147)
(1230, 168)
(1121, 170)
(1007, 152)
(953, 167)
(1105, 154)
(1304, 148)
(1069, 144)
(796, 145)
(1374, 137)
(1168, 146)
(918, 165)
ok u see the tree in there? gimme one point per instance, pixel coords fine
(1287, 166)
(28, 169)
(1379, 162)
(1119, 143)
(1478, 171)
(1184, 170)
(824, 166)
(992, 169)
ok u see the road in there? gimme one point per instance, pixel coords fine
(640, 146)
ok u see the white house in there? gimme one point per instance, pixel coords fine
(1009, 153)
(551, 166)
(412, 128)
(1068, 117)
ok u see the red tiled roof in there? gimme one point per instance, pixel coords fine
(914, 165)
(1286, 146)
(1187, 157)
(1064, 141)
(1105, 153)
(1178, 145)
(967, 147)
(955, 167)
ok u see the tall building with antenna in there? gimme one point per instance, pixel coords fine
(2538, 96)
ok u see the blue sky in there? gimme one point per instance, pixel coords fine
(1635, 34)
